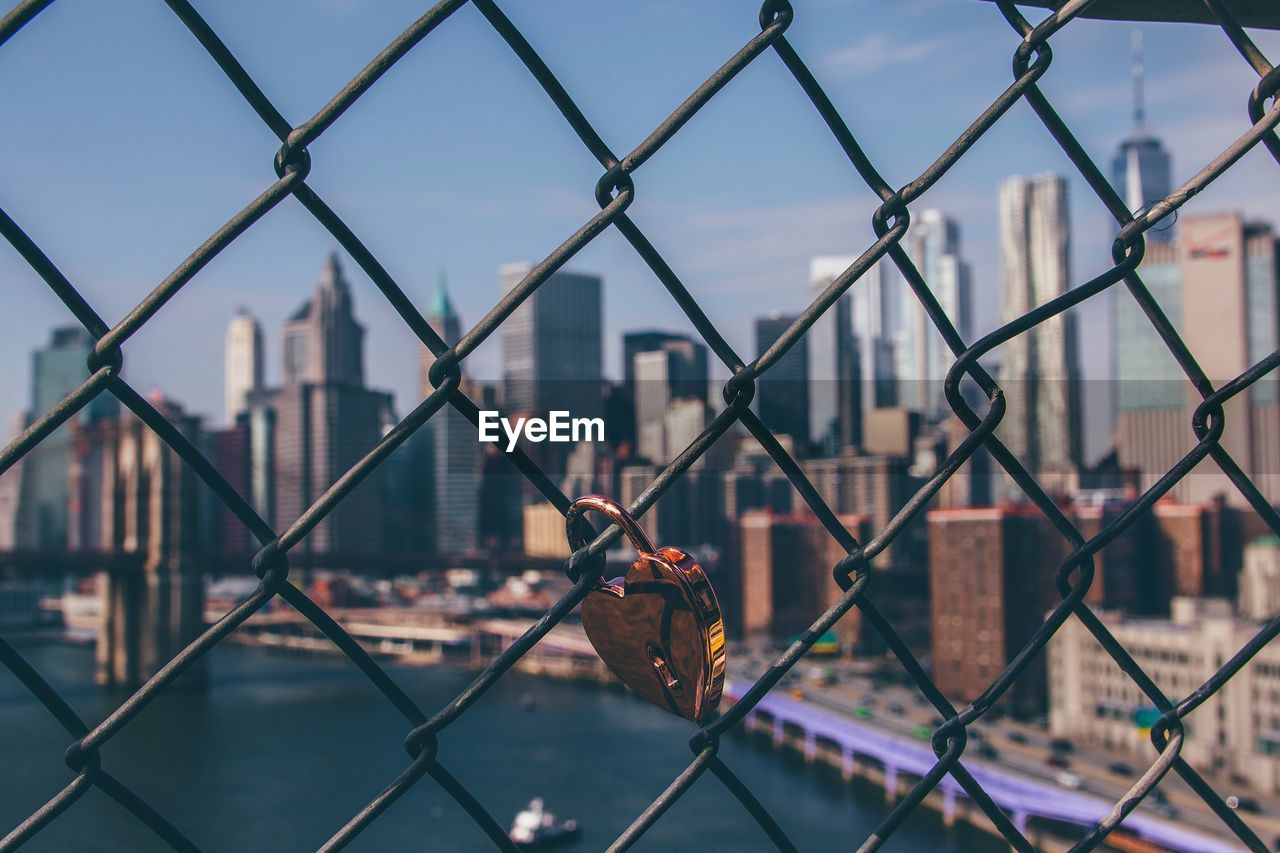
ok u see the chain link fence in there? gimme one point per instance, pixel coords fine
(614, 192)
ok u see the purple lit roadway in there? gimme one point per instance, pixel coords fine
(1022, 796)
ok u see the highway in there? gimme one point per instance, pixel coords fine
(1011, 745)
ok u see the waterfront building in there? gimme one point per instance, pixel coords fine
(134, 494)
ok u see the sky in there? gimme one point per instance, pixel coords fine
(124, 147)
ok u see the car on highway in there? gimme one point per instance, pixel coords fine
(1058, 760)
(988, 752)
(1067, 779)
(1061, 744)
(922, 732)
(1160, 804)
(1120, 768)
(822, 676)
(1016, 736)
(1245, 804)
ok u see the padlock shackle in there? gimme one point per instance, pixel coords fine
(614, 512)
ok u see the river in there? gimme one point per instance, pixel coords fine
(283, 748)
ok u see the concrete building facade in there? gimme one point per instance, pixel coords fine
(1236, 733)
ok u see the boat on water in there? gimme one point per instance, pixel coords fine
(535, 828)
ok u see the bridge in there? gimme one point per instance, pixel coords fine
(154, 598)
(62, 562)
(1021, 796)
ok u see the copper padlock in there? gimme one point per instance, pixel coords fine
(659, 628)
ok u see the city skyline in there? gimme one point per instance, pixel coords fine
(1012, 613)
(716, 259)
(876, 330)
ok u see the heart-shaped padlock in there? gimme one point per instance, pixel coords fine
(658, 628)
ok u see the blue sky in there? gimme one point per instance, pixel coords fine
(124, 147)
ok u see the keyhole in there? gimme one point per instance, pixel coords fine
(659, 663)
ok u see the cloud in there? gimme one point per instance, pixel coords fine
(765, 249)
(877, 50)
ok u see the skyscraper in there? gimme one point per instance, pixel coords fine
(673, 368)
(133, 492)
(875, 323)
(646, 340)
(834, 406)
(1040, 373)
(1142, 174)
(43, 494)
(1219, 285)
(1005, 553)
(322, 340)
(1141, 170)
(243, 362)
(552, 356)
(326, 420)
(934, 246)
(782, 391)
(652, 382)
(456, 454)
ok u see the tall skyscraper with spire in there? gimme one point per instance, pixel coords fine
(325, 420)
(322, 340)
(1142, 171)
(244, 357)
(1041, 372)
(454, 454)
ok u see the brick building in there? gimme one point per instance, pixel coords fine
(991, 574)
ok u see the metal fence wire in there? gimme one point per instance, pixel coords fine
(614, 192)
